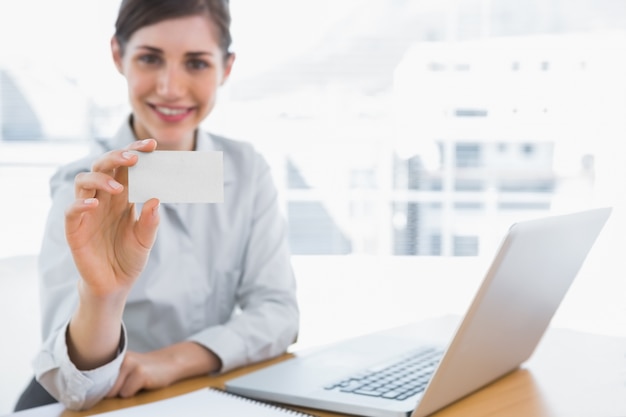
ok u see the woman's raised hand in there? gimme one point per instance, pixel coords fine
(110, 245)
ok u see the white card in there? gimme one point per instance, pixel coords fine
(177, 177)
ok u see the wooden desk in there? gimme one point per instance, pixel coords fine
(570, 374)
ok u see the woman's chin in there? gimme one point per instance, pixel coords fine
(174, 143)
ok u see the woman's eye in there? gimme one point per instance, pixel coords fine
(197, 64)
(149, 59)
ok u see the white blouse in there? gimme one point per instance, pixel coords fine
(218, 274)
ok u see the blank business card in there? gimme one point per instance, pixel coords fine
(177, 177)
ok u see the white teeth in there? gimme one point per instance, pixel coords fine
(170, 112)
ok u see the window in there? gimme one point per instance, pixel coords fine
(374, 102)
(465, 245)
(527, 149)
(468, 155)
(470, 113)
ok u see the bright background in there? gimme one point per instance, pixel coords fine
(404, 137)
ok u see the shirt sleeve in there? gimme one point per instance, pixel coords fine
(268, 318)
(75, 389)
(58, 278)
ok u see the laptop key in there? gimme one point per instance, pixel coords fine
(391, 394)
(367, 391)
(351, 387)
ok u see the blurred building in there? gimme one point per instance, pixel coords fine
(410, 128)
(430, 129)
(479, 123)
(39, 104)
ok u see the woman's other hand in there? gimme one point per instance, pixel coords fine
(161, 368)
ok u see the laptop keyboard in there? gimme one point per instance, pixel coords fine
(398, 379)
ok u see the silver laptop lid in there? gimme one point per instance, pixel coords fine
(536, 264)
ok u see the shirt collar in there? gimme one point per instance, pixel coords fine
(204, 142)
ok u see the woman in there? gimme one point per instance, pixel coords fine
(125, 308)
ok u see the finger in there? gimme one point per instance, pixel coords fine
(115, 390)
(133, 383)
(74, 213)
(125, 369)
(146, 145)
(123, 157)
(108, 162)
(86, 184)
(148, 222)
(112, 162)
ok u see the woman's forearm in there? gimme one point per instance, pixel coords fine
(189, 359)
(94, 332)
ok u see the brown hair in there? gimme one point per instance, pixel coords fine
(135, 14)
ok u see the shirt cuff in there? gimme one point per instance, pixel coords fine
(74, 388)
(226, 344)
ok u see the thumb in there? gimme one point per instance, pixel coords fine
(148, 222)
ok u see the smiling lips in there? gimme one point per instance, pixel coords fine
(171, 114)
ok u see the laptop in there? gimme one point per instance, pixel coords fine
(397, 372)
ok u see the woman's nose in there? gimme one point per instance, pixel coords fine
(171, 83)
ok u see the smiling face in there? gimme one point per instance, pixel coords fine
(173, 69)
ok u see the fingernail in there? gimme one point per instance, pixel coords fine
(127, 155)
(115, 185)
(89, 201)
(140, 143)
